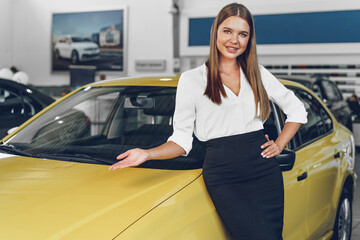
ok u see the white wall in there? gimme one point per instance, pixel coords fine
(149, 35)
(275, 54)
(6, 22)
(26, 25)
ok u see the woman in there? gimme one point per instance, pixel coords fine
(224, 102)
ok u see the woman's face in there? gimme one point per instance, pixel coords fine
(232, 37)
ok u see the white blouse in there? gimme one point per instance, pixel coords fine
(196, 113)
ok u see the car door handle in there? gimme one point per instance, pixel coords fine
(302, 176)
(337, 155)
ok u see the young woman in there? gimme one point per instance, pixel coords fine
(225, 102)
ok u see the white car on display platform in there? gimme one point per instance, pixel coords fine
(76, 48)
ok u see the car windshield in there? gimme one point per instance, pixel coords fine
(80, 39)
(96, 124)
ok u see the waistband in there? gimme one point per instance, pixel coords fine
(235, 138)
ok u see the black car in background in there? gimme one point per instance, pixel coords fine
(18, 103)
(329, 93)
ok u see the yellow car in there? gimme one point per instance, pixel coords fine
(55, 182)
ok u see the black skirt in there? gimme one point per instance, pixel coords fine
(246, 189)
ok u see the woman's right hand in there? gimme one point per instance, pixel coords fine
(131, 158)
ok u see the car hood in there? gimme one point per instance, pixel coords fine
(85, 44)
(49, 199)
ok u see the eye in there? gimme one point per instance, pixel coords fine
(243, 34)
(227, 31)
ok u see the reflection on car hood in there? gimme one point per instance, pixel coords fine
(85, 44)
(48, 199)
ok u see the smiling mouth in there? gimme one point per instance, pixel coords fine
(232, 49)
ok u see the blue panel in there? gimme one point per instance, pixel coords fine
(316, 27)
(199, 31)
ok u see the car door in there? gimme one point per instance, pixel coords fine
(315, 142)
(295, 185)
(65, 48)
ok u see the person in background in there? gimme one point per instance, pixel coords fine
(224, 102)
(354, 105)
(65, 91)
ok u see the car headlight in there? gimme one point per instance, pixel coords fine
(350, 152)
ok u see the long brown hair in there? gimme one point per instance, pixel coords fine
(247, 61)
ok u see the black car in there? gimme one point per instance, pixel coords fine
(329, 93)
(18, 103)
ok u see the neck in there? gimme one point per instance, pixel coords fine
(228, 65)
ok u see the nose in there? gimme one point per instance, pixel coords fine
(233, 38)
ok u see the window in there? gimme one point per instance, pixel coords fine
(15, 103)
(10, 103)
(331, 91)
(31, 106)
(317, 90)
(96, 124)
(319, 122)
(96, 110)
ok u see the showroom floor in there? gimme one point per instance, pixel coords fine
(356, 204)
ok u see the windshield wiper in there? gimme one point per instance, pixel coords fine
(78, 157)
(11, 149)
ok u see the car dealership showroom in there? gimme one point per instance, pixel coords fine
(112, 113)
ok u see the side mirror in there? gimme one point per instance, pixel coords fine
(139, 102)
(286, 159)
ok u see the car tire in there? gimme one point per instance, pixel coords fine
(343, 221)
(74, 57)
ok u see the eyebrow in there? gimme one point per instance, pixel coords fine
(227, 28)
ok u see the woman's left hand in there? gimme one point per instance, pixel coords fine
(272, 149)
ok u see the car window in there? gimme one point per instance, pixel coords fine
(80, 39)
(317, 90)
(31, 106)
(319, 122)
(103, 122)
(11, 103)
(331, 91)
(97, 110)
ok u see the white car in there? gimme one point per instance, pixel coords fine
(77, 49)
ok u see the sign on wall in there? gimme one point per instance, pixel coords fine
(150, 65)
(96, 38)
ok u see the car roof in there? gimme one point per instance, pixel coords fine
(307, 81)
(297, 78)
(161, 81)
(37, 94)
(12, 83)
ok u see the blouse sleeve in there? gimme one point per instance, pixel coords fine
(184, 116)
(283, 97)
